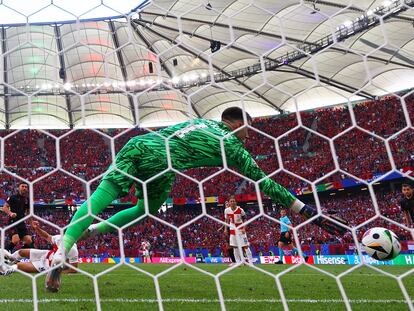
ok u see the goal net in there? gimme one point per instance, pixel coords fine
(328, 85)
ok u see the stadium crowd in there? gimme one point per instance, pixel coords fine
(263, 232)
(85, 154)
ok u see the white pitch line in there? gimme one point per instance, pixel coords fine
(237, 300)
(291, 274)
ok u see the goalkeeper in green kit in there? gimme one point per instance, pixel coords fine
(191, 144)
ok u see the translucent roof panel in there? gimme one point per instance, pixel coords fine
(88, 107)
(89, 53)
(38, 111)
(14, 12)
(31, 57)
(140, 59)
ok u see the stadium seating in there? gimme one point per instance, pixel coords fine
(86, 154)
(206, 233)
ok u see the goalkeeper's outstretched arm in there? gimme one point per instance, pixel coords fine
(239, 157)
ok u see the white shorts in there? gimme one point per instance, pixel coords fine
(145, 253)
(38, 259)
(237, 240)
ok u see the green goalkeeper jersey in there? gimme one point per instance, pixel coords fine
(191, 144)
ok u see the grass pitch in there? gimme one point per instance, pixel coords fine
(183, 288)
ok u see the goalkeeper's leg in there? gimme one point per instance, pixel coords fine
(158, 191)
(106, 192)
(124, 217)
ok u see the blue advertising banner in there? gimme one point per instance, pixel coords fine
(349, 182)
(226, 259)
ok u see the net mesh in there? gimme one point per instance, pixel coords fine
(152, 67)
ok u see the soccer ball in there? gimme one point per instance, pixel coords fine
(381, 243)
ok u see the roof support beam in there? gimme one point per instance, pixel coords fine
(5, 78)
(214, 66)
(63, 67)
(221, 25)
(170, 74)
(332, 82)
(372, 57)
(199, 37)
(316, 3)
(123, 68)
(290, 39)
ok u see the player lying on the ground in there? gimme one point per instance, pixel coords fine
(39, 260)
(192, 144)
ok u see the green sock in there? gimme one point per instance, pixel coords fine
(128, 215)
(99, 200)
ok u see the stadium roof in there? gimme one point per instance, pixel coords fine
(114, 65)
